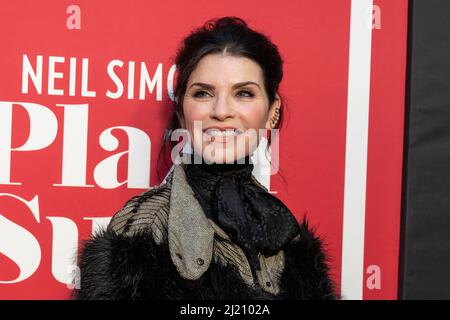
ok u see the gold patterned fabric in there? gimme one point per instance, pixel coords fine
(174, 216)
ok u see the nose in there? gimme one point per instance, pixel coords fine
(222, 109)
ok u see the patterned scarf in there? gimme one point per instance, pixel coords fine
(253, 218)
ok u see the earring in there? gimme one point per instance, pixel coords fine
(275, 118)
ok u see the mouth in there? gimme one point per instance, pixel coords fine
(222, 135)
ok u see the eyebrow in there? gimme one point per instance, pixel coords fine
(211, 87)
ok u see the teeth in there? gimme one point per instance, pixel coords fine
(226, 133)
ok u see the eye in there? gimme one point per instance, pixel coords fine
(245, 93)
(200, 94)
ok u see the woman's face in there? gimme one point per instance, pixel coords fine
(224, 107)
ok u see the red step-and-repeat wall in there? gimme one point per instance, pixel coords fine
(86, 91)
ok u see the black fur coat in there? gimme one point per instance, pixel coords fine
(116, 266)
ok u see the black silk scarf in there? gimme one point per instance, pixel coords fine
(252, 217)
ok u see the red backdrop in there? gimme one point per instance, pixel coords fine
(68, 158)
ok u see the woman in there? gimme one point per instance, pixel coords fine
(210, 230)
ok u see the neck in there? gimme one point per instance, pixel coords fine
(204, 179)
(218, 168)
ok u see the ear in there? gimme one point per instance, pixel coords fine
(274, 113)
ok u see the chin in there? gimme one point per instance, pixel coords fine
(221, 155)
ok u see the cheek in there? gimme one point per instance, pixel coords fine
(255, 117)
(194, 112)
